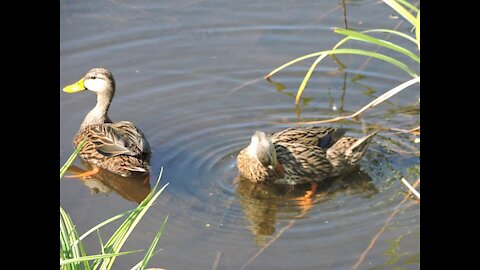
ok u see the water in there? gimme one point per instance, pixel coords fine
(188, 73)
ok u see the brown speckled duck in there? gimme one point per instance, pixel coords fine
(118, 147)
(301, 155)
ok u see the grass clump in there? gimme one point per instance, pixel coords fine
(72, 252)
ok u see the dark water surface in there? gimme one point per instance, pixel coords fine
(186, 74)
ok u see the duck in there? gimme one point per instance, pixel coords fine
(118, 147)
(301, 155)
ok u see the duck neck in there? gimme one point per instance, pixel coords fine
(99, 114)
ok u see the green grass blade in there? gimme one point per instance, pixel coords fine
(408, 5)
(296, 60)
(149, 253)
(140, 262)
(65, 250)
(401, 10)
(115, 243)
(379, 56)
(316, 54)
(70, 235)
(107, 222)
(95, 257)
(400, 34)
(417, 30)
(379, 42)
(100, 242)
(71, 159)
(303, 85)
(136, 266)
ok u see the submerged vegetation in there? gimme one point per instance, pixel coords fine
(72, 252)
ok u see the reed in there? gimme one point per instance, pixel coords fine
(400, 6)
(72, 252)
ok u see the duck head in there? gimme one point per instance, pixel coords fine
(262, 148)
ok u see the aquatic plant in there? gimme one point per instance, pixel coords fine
(72, 252)
(400, 6)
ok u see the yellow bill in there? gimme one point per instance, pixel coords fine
(76, 87)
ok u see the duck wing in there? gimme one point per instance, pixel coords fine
(323, 137)
(135, 135)
(115, 139)
(303, 160)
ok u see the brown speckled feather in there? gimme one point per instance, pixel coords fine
(302, 163)
(118, 147)
(347, 152)
(252, 169)
(304, 155)
(323, 137)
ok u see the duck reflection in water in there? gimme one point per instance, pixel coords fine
(133, 188)
(264, 204)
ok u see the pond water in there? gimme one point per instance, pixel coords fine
(189, 75)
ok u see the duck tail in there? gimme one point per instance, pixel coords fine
(361, 144)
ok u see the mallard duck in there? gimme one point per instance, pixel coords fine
(301, 155)
(118, 147)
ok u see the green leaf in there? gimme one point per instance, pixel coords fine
(71, 159)
(116, 241)
(303, 85)
(401, 10)
(296, 60)
(149, 253)
(68, 236)
(350, 51)
(408, 5)
(394, 32)
(107, 222)
(417, 30)
(379, 42)
(96, 257)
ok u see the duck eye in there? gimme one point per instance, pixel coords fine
(93, 77)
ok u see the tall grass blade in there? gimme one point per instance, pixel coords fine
(408, 5)
(350, 51)
(140, 263)
(96, 257)
(100, 242)
(417, 30)
(115, 243)
(65, 250)
(68, 234)
(379, 56)
(296, 60)
(307, 77)
(380, 42)
(401, 10)
(149, 253)
(346, 51)
(71, 159)
(400, 34)
(98, 226)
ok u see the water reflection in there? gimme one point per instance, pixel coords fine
(134, 188)
(264, 204)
